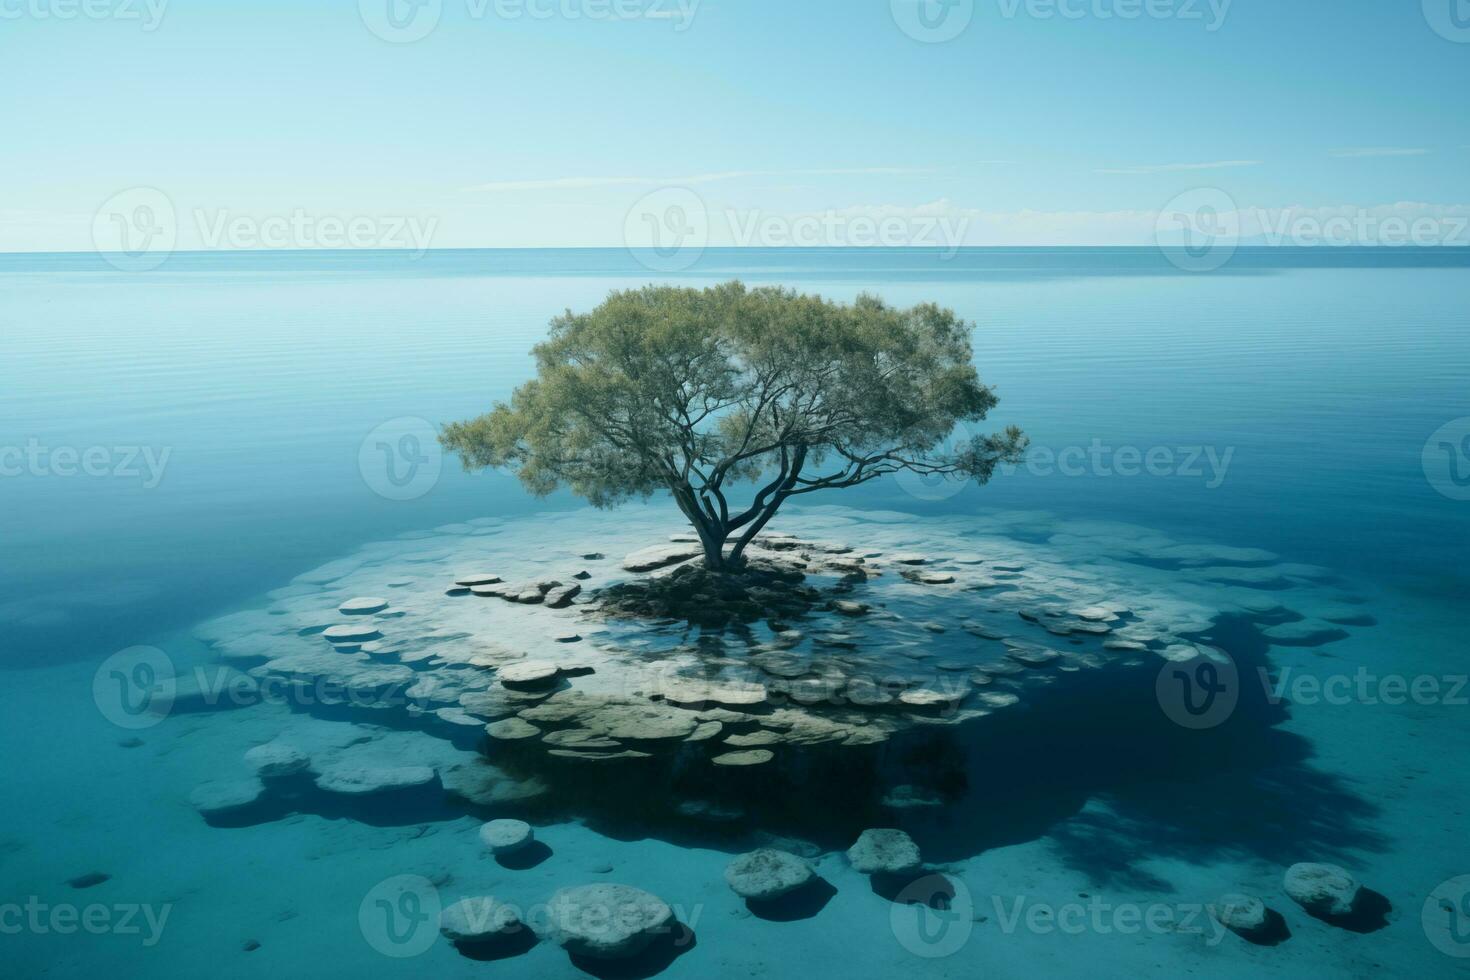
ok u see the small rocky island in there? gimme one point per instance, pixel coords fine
(867, 666)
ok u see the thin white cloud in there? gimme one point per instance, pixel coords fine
(1166, 168)
(687, 180)
(1380, 151)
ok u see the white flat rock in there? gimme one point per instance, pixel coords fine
(362, 606)
(529, 673)
(767, 874)
(365, 780)
(351, 633)
(512, 730)
(605, 921)
(661, 556)
(1322, 889)
(217, 798)
(749, 757)
(506, 836)
(469, 581)
(884, 851)
(275, 760)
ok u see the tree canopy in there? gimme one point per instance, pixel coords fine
(698, 391)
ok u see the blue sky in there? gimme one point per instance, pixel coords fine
(547, 122)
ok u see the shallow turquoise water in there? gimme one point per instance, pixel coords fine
(236, 404)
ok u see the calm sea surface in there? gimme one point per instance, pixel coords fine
(178, 441)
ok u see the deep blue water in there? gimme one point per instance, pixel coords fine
(1318, 374)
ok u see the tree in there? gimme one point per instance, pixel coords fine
(697, 391)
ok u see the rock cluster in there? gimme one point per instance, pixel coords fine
(707, 598)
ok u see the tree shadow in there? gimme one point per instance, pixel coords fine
(1114, 784)
(804, 903)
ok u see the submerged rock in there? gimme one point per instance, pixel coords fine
(884, 851)
(506, 836)
(470, 581)
(366, 780)
(562, 595)
(218, 799)
(276, 760)
(363, 606)
(512, 730)
(660, 556)
(1322, 889)
(478, 920)
(767, 874)
(529, 674)
(1244, 915)
(214, 689)
(606, 921)
(911, 797)
(750, 757)
(350, 633)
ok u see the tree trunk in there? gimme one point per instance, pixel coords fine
(711, 535)
(737, 554)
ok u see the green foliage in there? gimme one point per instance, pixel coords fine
(693, 391)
